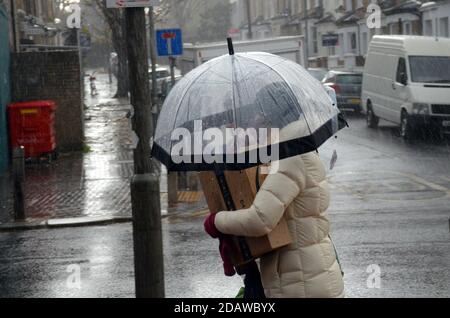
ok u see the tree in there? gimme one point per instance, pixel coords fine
(215, 21)
(201, 20)
(116, 21)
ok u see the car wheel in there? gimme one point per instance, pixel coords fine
(405, 127)
(372, 119)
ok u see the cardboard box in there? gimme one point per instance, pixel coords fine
(242, 189)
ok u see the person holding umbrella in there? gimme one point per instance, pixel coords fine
(259, 90)
(299, 192)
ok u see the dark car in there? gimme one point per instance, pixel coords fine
(348, 88)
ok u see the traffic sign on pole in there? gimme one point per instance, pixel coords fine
(169, 42)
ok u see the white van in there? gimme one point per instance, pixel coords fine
(407, 81)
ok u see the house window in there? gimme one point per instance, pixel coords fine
(407, 28)
(392, 29)
(428, 27)
(364, 43)
(30, 7)
(353, 43)
(331, 50)
(349, 5)
(341, 44)
(315, 43)
(443, 27)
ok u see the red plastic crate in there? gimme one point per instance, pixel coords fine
(32, 126)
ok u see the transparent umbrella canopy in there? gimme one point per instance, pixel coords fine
(243, 104)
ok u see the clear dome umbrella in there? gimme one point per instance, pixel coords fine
(241, 110)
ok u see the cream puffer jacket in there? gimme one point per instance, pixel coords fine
(308, 267)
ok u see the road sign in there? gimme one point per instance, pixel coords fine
(169, 42)
(131, 3)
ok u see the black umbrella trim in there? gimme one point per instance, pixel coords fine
(287, 149)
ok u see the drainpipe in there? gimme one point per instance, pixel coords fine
(249, 20)
(305, 7)
(358, 40)
(16, 35)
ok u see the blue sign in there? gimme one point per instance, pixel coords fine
(169, 42)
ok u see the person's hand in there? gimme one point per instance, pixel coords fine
(211, 228)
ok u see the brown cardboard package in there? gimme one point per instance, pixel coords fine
(242, 188)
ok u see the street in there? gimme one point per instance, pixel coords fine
(389, 211)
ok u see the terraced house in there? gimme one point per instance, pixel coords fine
(337, 31)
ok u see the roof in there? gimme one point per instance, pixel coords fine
(349, 18)
(415, 45)
(329, 18)
(411, 6)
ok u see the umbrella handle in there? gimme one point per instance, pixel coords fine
(230, 46)
(258, 183)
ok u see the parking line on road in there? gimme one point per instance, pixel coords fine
(412, 177)
(430, 184)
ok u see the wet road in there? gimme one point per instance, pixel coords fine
(390, 214)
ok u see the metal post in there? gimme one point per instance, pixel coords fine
(145, 192)
(19, 177)
(172, 177)
(249, 20)
(147, 237)
(305, 7)
(153, 60)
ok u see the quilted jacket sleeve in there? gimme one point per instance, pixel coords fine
(275, 195)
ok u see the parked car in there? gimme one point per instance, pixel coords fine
(161, 74)
(318, 73)
(407, 82)
(347, 86)
(166, 86)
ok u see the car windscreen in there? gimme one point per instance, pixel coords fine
(430, 69)
(355, 79)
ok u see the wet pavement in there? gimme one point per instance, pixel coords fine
(91, 183)
(390, 214)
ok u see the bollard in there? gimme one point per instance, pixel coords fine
(147, 236)
(19, 177)
(172, 188)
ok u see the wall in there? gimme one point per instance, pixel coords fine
(4, 86)
(56, 76)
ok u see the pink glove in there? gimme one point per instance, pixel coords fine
(211, 228)
(225, 247)
(225, 244)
